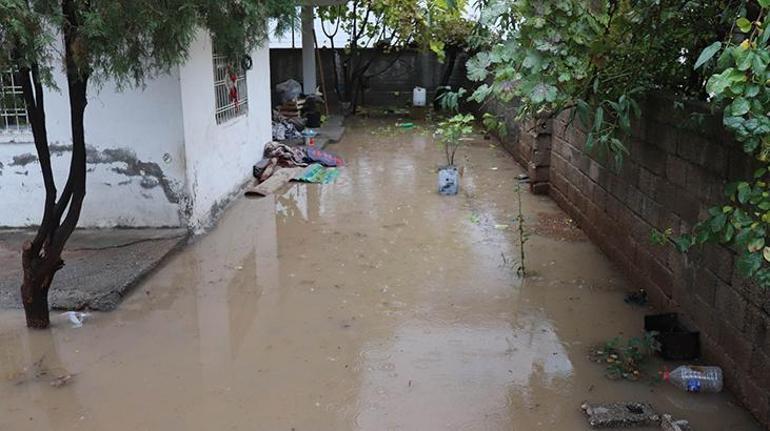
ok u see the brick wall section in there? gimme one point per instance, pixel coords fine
(529, 143)
(673, 173)
(537, 135)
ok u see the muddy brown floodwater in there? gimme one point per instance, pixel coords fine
(368, 304)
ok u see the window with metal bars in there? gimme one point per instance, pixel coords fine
(229, 89)
(13, 110)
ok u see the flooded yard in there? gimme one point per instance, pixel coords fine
(369, 304)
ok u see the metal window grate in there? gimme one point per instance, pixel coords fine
(229, 89)
(13, 110)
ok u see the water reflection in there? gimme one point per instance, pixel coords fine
(458, 373)
(368, 304)
(31, 367)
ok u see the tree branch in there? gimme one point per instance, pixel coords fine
(36, 112)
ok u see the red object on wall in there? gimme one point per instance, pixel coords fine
(233, 93)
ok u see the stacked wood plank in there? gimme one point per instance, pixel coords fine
(292, 108)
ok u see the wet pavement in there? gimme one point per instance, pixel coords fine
(369, 304)
(102, 265)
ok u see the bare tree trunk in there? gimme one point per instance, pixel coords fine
(77, 84)
(41, 257)
(34, 289)
(38, 265)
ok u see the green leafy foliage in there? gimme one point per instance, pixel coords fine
(129, 40)
(596, 58)
(25, 36)
(450, 100)
(739, 86)
(626, 358)
(237, 27)
(600, 59)
(494, 124)
(388, 24)
(392, 26)
(660, 238)
(452, 132)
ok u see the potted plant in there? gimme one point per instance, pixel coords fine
(450, 134)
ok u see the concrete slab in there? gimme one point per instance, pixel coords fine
(620, 415)
(331, 131)
(101, 265)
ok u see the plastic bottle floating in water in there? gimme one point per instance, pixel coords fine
(692, 378)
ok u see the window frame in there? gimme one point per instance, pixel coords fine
(225, 108)
(13, 133)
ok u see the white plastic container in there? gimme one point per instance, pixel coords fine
(418, 96)
(448, 180)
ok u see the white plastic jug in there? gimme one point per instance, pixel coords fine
(418, 96)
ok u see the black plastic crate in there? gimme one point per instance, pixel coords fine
(677, 342)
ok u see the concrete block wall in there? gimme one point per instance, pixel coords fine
(396, 75)
(537, 139)
(678, 164)
(529, 143)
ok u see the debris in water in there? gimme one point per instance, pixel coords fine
(668, 423)
(76, 318)
(626, 358)
(677, 341)
(40, 373)
(616, 415)
(695, 379)
(36, 371)
(637, 298)
(61, 380)
(558, 225)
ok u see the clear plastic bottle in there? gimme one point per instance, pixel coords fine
(693, 378)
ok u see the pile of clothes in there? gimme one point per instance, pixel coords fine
(283, 163)
(285, 128)
(277, 155)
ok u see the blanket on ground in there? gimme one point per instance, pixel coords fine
(285, 156)
(316, 173)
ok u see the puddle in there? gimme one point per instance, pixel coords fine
(367, 304)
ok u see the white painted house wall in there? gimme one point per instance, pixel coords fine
(142, 125)
(156, 155)
(219, 157)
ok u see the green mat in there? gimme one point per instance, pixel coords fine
(316, 173)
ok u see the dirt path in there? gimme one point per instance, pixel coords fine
(368, 304)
